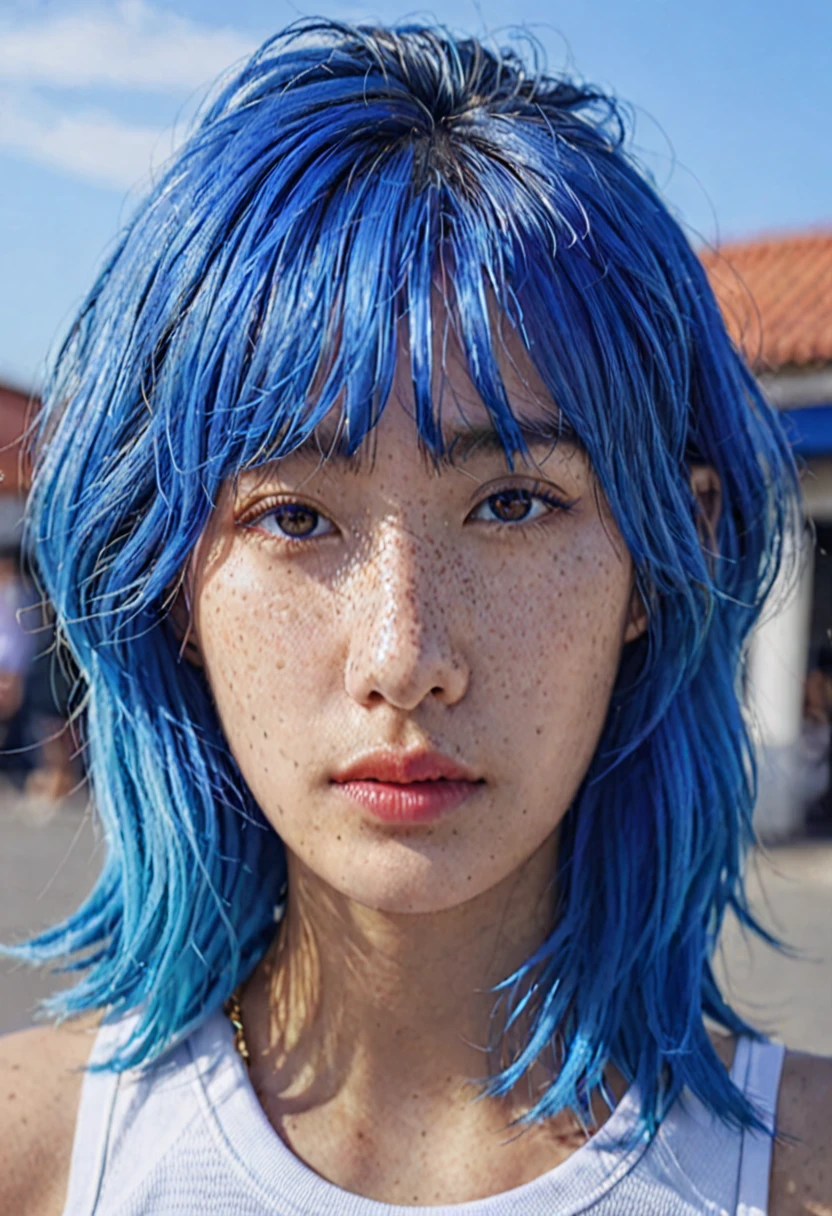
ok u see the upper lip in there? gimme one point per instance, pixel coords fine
(400, 768)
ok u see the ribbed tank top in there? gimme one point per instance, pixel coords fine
(188, 1137)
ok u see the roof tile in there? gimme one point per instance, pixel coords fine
(776, 297)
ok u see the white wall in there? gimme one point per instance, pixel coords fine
(777, 669)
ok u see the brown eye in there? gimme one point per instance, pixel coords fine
(296, 520)
(511, 506)
(292, 521)
(515, 505)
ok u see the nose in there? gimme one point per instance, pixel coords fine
(403, 628)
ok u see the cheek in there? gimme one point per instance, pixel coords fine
(548, 658)
(267, 644)
(562, 621)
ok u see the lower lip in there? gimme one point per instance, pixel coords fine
(416, 802)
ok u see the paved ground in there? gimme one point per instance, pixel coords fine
(790, 888)
(49, 860)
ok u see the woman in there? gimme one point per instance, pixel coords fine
(406, 511)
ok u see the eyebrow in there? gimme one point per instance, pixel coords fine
(326, 445)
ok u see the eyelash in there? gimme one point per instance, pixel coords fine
(250, 518)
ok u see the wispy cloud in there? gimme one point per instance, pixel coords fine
(129, 45)
(89, 144)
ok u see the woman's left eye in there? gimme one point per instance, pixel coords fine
(518, 506)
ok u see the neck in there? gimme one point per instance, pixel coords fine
(367, 1029)
(385, 1010)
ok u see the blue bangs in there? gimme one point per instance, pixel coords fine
(344, 182)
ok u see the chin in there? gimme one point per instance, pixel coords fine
(403, 878)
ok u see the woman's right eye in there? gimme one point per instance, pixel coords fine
(291, 521)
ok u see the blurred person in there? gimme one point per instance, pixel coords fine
(793, 778)
(16, 646)
(17, 744)
(814, 747)
(35, 744)
(398, 491)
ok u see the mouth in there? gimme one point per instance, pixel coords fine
(410, 801)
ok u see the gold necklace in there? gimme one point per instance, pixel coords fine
(232, 1008)
(235, 1016)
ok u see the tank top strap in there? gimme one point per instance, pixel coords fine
(756, 1071)
(93, 1126)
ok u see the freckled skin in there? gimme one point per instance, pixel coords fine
(412, 618)
(415, 625)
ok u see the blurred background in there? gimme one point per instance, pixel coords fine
(729, 103)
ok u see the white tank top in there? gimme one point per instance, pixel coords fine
(188, 1137)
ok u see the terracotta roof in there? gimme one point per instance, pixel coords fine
(776, 296)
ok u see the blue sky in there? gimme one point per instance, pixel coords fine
(732, 103)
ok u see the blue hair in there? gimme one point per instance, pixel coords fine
(327, 188)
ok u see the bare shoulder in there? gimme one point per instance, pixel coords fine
(41, 1073)
(801, 1177)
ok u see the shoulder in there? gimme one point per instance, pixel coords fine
(801, 1177)
(801, 1173)
(41, 1073)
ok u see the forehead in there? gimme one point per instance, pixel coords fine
(467, 424)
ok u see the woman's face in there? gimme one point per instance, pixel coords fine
(342, 610)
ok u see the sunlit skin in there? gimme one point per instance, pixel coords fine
(418, 610)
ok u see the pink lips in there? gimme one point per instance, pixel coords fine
(402, 787)
(416, 802)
